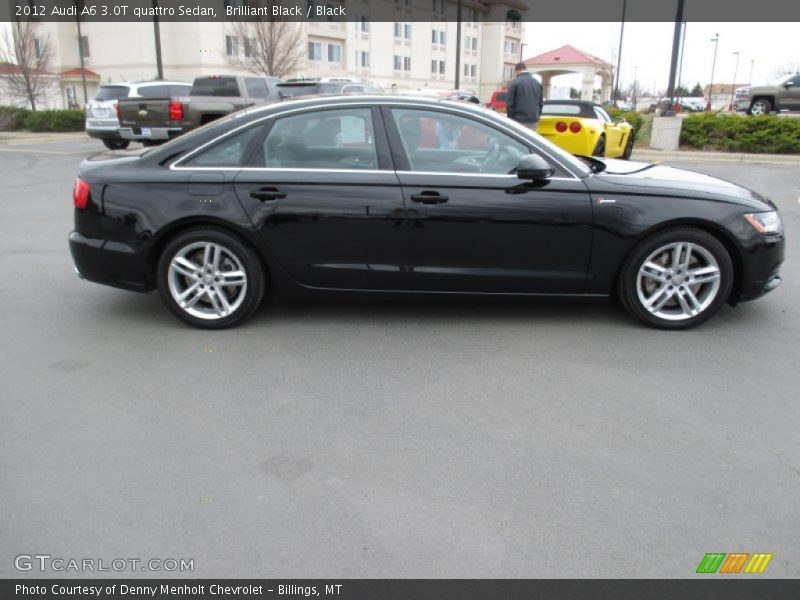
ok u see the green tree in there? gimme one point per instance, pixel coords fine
(697, 90)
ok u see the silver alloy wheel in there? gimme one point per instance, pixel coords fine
(758, 108)
(678, 281)
(207, 280)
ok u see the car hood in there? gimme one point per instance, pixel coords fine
(624, 176)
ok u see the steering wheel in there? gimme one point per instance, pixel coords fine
(492, 154)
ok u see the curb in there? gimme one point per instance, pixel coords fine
(729, 157)
(32, 138)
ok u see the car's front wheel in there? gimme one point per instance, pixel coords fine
(628, 147)
(760, 106)
(210, 278)
(676, 279)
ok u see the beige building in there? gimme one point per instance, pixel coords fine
(395, 56)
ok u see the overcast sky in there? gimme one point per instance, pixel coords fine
(647, 48)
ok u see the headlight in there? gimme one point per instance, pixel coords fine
(765, 222)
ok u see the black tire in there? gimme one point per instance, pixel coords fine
(628, 148)
(760, 106)
(676, 293)
(235, 256)
(600, 147)
(116, 144)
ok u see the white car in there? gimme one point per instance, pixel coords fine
(101, 111)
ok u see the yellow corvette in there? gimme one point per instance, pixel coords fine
(582, 127)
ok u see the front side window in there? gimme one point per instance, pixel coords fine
(226, 153)
(325, 139)
(437, 141)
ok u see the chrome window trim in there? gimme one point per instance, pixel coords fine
(400, 102)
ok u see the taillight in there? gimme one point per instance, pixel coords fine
(118, 111)
(561, 127)
(175, 111)
(80, 194)
(574, 127)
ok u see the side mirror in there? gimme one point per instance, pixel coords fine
(533, 166)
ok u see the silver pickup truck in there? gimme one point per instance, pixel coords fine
(157, 120)
(764, 99)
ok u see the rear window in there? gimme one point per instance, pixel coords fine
(215, 86)
(256, 88)
(111, 92)
(561, 109)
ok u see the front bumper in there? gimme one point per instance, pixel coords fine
(109, 263)
(741, 105)
(761, 269)
(149, 133)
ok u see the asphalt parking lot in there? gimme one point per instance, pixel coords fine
(410, 438)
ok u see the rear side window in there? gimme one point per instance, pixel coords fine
(111, 92)
(228, 153)
(325, 139)
(256, 88)
(215, 86)
(154, 91)
(561, 109)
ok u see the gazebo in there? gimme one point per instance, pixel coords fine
(569, 59)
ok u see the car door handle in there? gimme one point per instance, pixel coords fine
(429, 197)
(267, 194)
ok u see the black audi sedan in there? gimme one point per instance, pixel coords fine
(412, 195)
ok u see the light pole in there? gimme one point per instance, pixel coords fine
(619, 54)
(715, 39)
(750, 78)
(458, 43)
(735, 71)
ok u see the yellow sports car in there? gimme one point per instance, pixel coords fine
(582, 127)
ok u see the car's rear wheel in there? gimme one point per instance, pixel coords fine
(761, 106)
(628, 147)
(210, 278)
(600, 147)
(116, 144)
(676, 279)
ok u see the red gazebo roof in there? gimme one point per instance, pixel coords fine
(565, 55)
(77, 73)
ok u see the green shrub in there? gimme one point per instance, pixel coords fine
(12, 118)
(631, 116)
(55, 120)
(763, 134)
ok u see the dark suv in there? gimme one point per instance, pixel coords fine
(307, 87)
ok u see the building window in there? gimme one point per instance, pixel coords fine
(441, 67)
(442, 38)
(334, 53)
(364, 25)
(249, 47)
(38, 47)
(362, 59)
(85, 46)
(508, 72)
(407, 31)
(398, 62)
(472, 70)
(231, 45)
(314, 51)
(433, 67)
(434, 37)
(398, 30)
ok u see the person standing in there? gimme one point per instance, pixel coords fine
(524, 98)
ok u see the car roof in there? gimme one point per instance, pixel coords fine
(145, 83)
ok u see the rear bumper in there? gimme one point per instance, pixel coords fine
(109, 263)
(155, 133)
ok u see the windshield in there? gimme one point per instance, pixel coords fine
(111, 92)
(577, 165)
